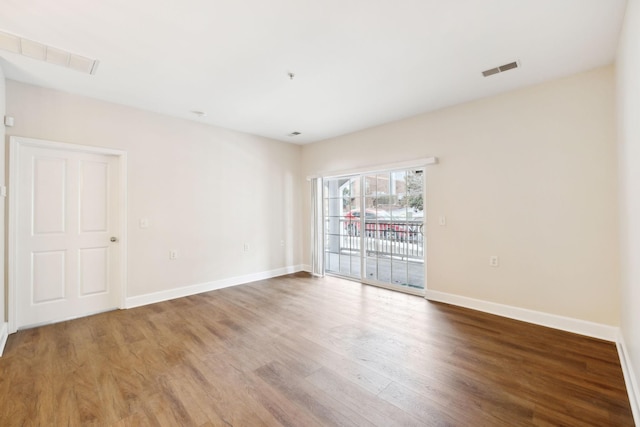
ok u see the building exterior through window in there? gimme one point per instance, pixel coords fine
(374, 228)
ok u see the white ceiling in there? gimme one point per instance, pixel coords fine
(357, 63)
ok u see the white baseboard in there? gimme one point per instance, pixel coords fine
(4, 334)
(185, 291)
(577, 326)
(307, 268)
(629, 379)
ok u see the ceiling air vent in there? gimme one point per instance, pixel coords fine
(500, 69)
(32, 49)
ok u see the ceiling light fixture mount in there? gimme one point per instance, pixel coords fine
(199, 113)
(291, 75)
(294, 133)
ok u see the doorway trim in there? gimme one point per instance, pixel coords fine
(15, 144)
(410, 164)
(317, 223)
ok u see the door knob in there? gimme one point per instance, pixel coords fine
(114, 239)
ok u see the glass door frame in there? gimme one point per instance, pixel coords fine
(362, 253)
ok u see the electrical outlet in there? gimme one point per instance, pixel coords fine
(144, 222)
(282, 243)
(494, 261)
(173, 254)
(246, 247)
(442, 220)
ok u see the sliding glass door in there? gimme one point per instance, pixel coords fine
(342, 245)
(374, 228)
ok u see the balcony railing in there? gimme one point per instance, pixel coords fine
(403, 239)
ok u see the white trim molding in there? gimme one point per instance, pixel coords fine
(185, 291)
(629, 378)
(4, 334)
(410, 164)
(569, 324)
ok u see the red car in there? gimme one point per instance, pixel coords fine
(376, 222)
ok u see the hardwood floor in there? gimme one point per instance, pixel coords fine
(300, 351)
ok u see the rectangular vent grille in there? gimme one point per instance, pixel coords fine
(42, 52)
(491, 72)
(500, 69)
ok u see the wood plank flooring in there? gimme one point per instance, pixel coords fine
(302, 351)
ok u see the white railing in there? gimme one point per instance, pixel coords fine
(397, 239)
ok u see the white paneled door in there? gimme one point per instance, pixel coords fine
(66, 234)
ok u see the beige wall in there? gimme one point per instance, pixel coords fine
(529, 176)
(628, 66)
(2, 199)
(206, 191)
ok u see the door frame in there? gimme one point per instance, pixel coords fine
(15, 144)
(362, 236)
(360, 172)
